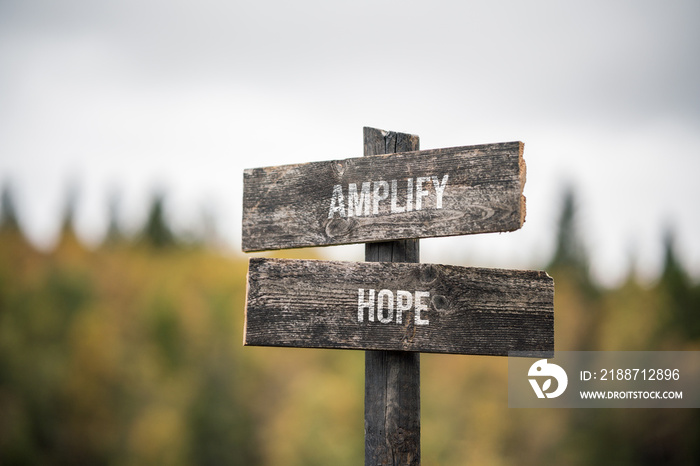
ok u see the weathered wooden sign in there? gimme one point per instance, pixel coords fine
(398, 306)
(429, 193)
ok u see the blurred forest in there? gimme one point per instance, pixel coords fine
(131, 353)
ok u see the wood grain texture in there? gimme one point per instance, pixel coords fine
(314, 304)
(392, 378)
(288, 206)
(392, 410)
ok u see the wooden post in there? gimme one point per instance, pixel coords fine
(392, 378)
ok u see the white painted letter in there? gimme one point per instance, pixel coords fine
(385, 193)
(404, 301)
(337, 202)
(421, 307)
(420, 192)
(409, 195)
(439, 189)
(389, 306)
(394, 194)
(360, 202)
(362, 304)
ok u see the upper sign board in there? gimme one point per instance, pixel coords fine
(428, 193)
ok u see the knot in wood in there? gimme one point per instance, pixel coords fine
(338, 227)
(338, 169)
(428, 274)
(439, 302)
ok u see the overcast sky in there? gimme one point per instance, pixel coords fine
(133, 96)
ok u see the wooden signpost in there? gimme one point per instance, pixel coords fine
(391, 306)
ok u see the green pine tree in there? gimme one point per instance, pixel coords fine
(114, 233)
(157, 232)
(10, 230)
(682, 297)
(68, 240)
(8, 213)
(570, 257)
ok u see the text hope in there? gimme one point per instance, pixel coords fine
(390, 307)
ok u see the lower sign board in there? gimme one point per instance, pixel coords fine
(398, 306)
